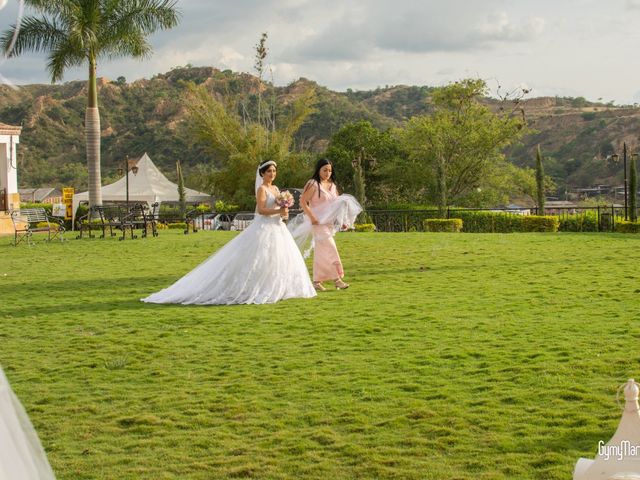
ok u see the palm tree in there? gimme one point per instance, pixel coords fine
(81, 32)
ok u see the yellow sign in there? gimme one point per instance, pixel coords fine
(67, 198)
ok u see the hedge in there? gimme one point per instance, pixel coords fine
(623, 226)
(540, 223)
(489, 222)
(453, 225)
(586, 222)
(365, 227)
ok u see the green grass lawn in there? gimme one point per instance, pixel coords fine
(452, 356)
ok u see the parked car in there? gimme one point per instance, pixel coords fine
(222, 221)
(242, 220)
(213, 221)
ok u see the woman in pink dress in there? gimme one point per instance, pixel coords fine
(327, 212)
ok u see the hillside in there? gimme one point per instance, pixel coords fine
(147, 115)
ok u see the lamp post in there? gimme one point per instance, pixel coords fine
(616, 158)
(133, 169)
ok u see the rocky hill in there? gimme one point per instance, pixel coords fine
(147, 116)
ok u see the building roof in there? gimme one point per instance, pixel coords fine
(39, 194)
(9, 129)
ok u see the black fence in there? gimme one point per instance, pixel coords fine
(596, 219)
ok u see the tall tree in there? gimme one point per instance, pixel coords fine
(540, 196)
(182, 196)
(83, 32)
(462, 141)
(633, 189)
(363, 157)
(239, 147)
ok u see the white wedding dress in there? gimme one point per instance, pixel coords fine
(261, 265)
(21, 454)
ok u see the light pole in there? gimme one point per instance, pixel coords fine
(133, 169)
(615, 157)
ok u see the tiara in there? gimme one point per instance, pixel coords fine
(268, 162)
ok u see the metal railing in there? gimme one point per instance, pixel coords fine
(599, 218)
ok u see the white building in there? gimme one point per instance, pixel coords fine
(9, 196)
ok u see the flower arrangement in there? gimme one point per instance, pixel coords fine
(285, 199)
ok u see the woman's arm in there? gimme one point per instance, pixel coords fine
(309, 190)
(261, 201)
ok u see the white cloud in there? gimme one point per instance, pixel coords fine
(564, 48)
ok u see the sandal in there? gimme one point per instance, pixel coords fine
(319, 287)
(340, 285)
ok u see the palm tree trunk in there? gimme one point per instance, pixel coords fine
(92, 135)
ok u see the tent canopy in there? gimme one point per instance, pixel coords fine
(148, 185)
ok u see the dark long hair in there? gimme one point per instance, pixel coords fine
(266, 167)
(316, 174)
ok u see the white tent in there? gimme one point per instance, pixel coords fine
(148, 185)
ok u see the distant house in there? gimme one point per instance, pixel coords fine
(557, 207)
(40, 195)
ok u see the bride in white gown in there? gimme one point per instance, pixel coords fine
(261, 265)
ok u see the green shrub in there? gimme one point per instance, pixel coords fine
(623, 226)
(587, 222)
(222, 207)
(47, 206)
(365, 227)
(177, 226)
(453, 225)
(540, 223)
(489, 222)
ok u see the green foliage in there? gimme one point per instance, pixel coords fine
(633, 189)
(540, 223)
(47, 206)
(588, 116)
(583, 222)
(451, 225)
(489, 222)
(623, 226)
(461, 142)
(176, 226)
(366, 161)
(364, 227)
(499, 222)
(222, 207)
(181, 191)
(540, 190)
(241, 145)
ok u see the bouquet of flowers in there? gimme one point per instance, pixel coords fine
(285, 199)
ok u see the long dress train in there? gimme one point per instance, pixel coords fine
(21, 454)
(261, 265)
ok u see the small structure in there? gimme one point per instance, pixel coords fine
(619, 458)
(147, 185)
(40, 195)
(9, 196)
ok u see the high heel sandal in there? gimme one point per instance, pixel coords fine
(340, 285)
(319, 287)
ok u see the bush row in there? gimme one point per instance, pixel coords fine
(452, 225)
(623, 226)
(497, 222)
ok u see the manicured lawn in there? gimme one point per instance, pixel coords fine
(452, 356)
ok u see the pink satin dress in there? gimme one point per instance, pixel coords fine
(326, 260)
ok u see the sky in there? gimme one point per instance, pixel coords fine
(578, 48)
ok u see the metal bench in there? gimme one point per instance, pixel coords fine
(28, 221)
(141, 217)
(107, 217)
